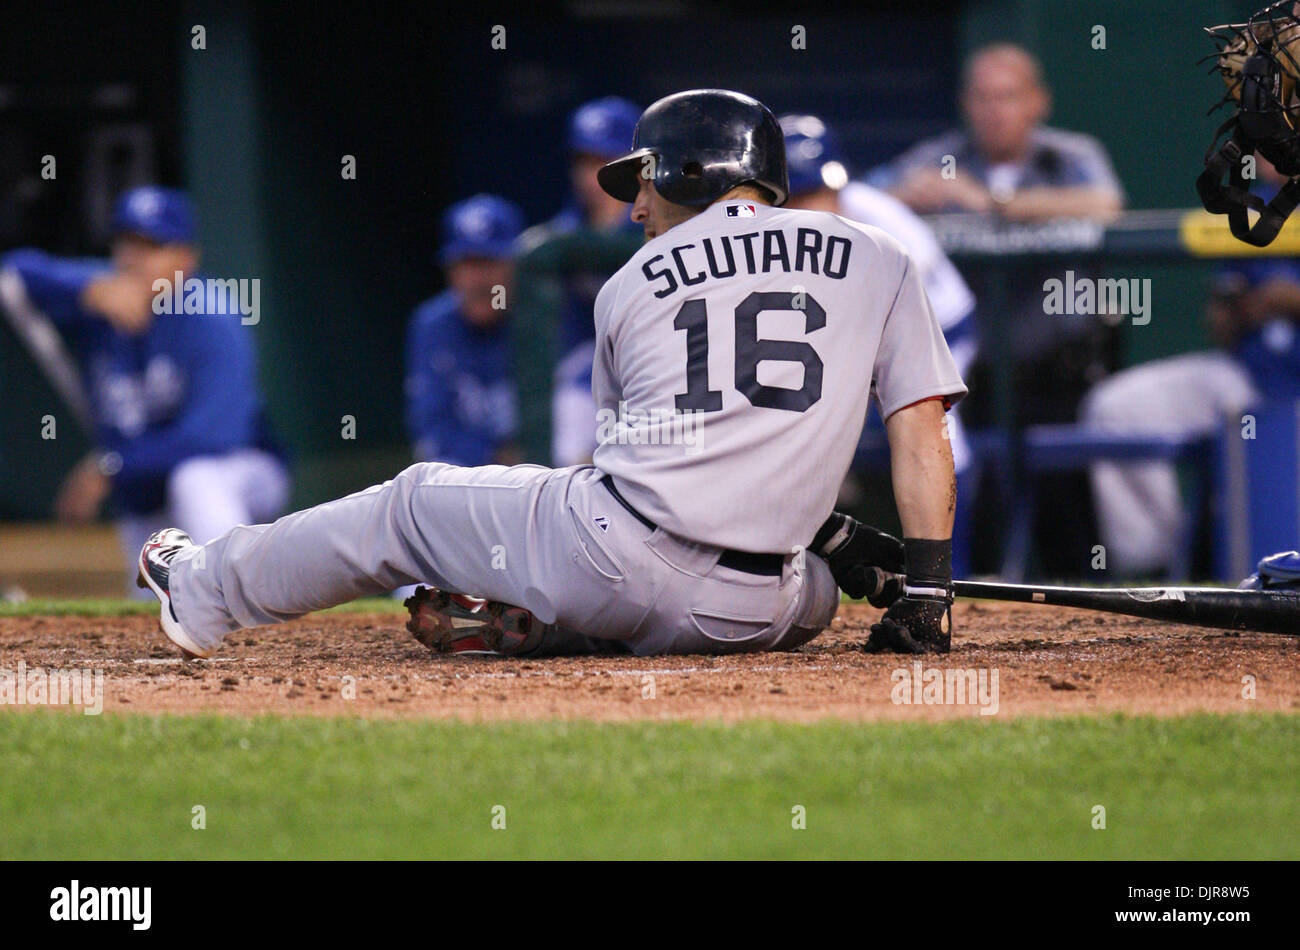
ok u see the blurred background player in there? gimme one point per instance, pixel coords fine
(1252, 314)
(461, 399)
(178, 428)
(819, 181)
(1006, 160)
(1005, 163)
(599, 131)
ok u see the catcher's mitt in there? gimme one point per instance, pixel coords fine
(1259, 61)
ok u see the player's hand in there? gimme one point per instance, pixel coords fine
(865, 562)
(82, 492)
(121, 299)
(914, 624)
(921, 621)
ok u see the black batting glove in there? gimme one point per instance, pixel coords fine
(920, 621)
(913, 625)
(865, 562)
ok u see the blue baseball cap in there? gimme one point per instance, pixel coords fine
(603, 127)
(812, 155)
(164, 215)
(481, 226)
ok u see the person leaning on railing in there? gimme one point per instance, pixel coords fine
(1007, 164)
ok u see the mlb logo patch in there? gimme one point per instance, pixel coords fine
(742, 211)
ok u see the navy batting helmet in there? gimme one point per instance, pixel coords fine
(698, 145)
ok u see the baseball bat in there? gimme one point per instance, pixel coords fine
(1259, 611)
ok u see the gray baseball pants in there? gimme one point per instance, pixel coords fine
(554, 541)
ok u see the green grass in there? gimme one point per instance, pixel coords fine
(121, 607)
(124, 787)
(78, 607)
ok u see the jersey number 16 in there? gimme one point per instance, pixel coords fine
(750, 351)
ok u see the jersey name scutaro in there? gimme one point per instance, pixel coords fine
(736, 354)
(770, 251)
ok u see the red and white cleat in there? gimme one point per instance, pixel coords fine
(457, 623)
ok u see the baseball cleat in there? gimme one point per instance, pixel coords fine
(155, 566)
(457, 623)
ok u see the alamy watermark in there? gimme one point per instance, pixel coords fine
(37, 686)
(1109, 297)
(939, 686)
(133, 905)
(213, 296)
(650, 427)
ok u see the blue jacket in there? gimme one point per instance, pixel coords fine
(460, 391)
(1270, 353)
(186, 386)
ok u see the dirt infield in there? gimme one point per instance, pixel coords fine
(1047, 661)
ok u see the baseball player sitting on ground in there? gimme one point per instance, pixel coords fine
(819, 181)
(460, 404)
(598, 131)
(179, 433)
(735, 356)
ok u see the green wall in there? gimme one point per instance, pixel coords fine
(269, 108)
(272, 108)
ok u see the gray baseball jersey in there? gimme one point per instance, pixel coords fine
(766, 328)
(736, 354)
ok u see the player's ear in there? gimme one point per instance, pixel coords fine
(1044, 106)
(190, 256)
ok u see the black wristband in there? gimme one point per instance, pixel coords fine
(929, 563)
